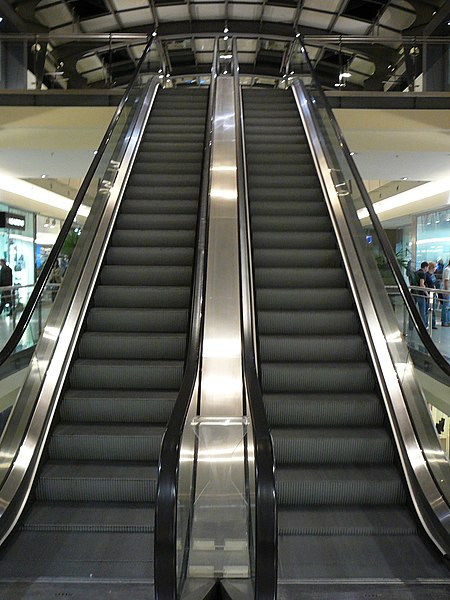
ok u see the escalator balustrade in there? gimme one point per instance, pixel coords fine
(343, 508)
(92, 514)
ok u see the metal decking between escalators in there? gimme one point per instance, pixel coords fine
(344, 512)
(92, 510)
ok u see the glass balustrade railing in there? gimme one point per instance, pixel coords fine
(31, 307)
(428, 367)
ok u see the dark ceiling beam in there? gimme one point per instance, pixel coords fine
(15, 22)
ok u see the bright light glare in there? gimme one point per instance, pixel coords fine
(409, 197)
(38, 194)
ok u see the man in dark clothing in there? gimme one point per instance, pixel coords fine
(5, 281)
(421, 297)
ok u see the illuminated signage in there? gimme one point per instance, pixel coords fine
(10, 221)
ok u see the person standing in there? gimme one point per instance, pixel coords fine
(421, 296)
(5, 281)
(446, 297)
(430, 283)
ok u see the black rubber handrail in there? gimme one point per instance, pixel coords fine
(41, 282)
(266, 518)
(384, 241)
(165, 543)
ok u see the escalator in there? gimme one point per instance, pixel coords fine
(91, 513)
(344, 511)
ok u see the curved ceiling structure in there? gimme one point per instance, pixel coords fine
(336, 33)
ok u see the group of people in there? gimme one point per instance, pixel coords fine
(431, 276)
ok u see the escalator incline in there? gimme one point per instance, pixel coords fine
(343, 506)
(92, 513)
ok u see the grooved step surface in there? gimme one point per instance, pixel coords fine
(342, 499)
(93, 514)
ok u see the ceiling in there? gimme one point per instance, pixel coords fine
(265, 28)
(97, 44)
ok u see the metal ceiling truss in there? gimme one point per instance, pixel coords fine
(268, 57)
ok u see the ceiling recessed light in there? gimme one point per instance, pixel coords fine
(404, 178)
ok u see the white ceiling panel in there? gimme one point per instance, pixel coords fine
(326, 5)
(129, 4)
(396, 18)
(244, 45)
(279, 14)
(351, 26)
(245, 12)
(180, 12)
(101, 24)
(208, 11)
(246, 57)
(137, 51)
(362, 66)
(316, 19)
(132, 18)
(54, 15)
(313, 51)
(88, 63)
(204, 45)
(204, 57)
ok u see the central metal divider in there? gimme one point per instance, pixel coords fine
(219, 545)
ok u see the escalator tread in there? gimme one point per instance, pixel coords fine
(342, 499)
(93, 514)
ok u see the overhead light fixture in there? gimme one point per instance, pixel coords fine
(404, 179)
(346, 74)
(47, 222)
(1, 19)
(53, 224)
(226, 30)
(416, 194)
(43, 176)
(38, 194)
(352, 153)
(154, 34)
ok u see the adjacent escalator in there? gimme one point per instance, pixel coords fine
(92, 509)
(344, 513)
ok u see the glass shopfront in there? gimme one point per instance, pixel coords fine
(433, 237)
(17, 247)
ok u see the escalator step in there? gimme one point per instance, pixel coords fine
(299, 277)
(299, 194)
(285, 223)
(292, 239)
(106, 442)
(99, 482)
(283, 169)
(289, 322)
(344, 520)
(101, 517)
(129, 319)
(290, 257)
(126, 374)
(291, 298)
(281, 207)
(146, 275)
(310, 348)
(313, 377)
(149, 256)
(139, 192)
(337, 409)
(155, 207)
(121, 296)
(332, 446)
(153, 237)
(105, 345)
(117, 406)
(369, 485)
